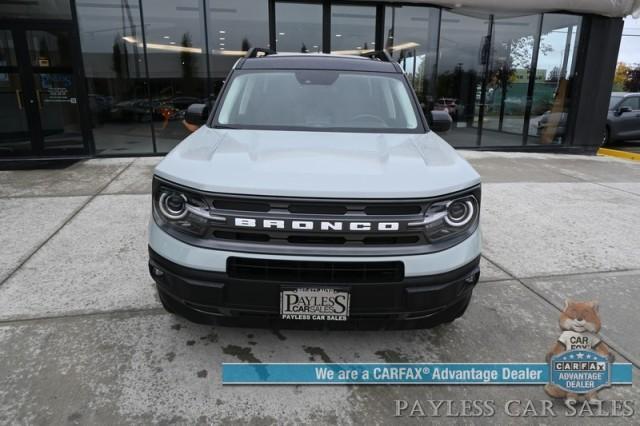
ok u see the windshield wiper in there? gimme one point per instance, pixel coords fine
(224, 126)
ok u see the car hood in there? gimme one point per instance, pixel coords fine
(317, 164)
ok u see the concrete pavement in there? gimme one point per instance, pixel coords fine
(83, 338)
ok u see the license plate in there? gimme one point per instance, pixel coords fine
(320, 304)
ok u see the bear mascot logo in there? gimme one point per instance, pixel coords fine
(580, 324)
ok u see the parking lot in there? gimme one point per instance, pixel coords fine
(83, 338)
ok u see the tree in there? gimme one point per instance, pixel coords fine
(622, 70)
(116, 57)
(245, 45)
(554, 74)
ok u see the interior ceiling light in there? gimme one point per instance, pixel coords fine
(171, 47)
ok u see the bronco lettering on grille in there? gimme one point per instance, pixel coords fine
(315, 225)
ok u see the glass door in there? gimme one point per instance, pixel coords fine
(39, 96)
(15, 136)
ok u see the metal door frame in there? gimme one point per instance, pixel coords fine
(26, 70)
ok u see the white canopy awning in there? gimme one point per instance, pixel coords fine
(610, 8)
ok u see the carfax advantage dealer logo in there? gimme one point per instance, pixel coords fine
(580, 372)
(579, 361)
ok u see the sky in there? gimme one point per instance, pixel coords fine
(630, 46)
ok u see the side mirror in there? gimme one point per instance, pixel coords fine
(624, 109)
(197, 114)
(440, 121)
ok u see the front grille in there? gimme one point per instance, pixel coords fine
(315, 272)
(314, 210)
(317, 207)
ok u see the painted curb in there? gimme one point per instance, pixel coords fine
(634, 156)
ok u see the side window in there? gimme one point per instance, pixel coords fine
(633, 103)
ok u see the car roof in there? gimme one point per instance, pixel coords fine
(624, 94)
(318, 61)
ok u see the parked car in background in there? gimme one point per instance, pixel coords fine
(623, 118)
(553, 123)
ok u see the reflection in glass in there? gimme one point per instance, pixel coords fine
(233, 28)
(514, 41)
(464, 52)
(49, 48)
(353, 29)
(411, 38)
(298, 27)
(174, 36)
(555, 71)
(30, 9)
(111, 38)
(15, 138)
(7, 51)
(318, 100)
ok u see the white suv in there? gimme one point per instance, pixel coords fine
(314, 191)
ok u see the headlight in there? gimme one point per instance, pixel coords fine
(173, 205)
(178, 209)
(449, 219)
(460, 212)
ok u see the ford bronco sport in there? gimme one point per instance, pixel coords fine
(315, 190)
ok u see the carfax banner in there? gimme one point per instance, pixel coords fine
(573, 375)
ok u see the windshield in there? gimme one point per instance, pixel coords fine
(324, 100)
(614, 101)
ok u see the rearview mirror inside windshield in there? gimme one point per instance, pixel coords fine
(317, 77)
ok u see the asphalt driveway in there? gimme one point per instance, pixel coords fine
(83, 338)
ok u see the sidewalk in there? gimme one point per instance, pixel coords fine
(83, 338)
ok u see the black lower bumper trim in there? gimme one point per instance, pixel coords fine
(204, 296)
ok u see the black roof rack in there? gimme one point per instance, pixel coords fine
(253, 52)
(380, 55)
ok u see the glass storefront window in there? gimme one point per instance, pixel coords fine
(513, 45)
(463, 56)
(411, 38)
(176, 54)
(353, 29)
(477, 68)
(555, 71)
(298, 27)
(112, 52)
(15, 138)
(50, 9)
(49, 48)
(233, 28)
(7, 50)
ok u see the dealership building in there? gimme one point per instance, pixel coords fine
(92, 78)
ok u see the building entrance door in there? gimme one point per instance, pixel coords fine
(41, 104)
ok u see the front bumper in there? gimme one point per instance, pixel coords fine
(203, 296)
(208, 293)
